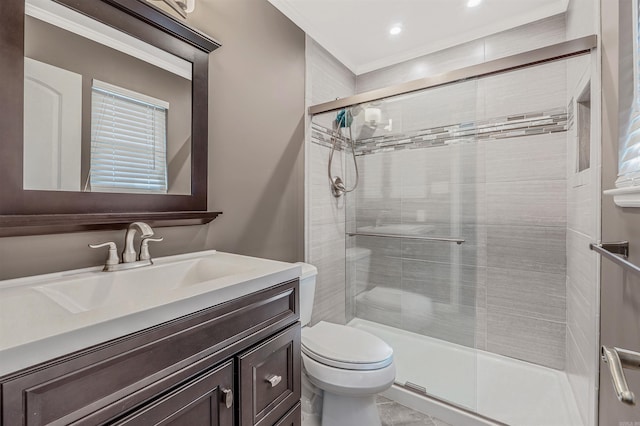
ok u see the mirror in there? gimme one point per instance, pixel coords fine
(62, 78)
(103, 111)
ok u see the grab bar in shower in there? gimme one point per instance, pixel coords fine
(406, 237)
(617, 359)
(617, 253)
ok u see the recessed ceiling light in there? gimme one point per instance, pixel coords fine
(395, 30)
(473, 3)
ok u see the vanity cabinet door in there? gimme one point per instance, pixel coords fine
(293, 418)
(270, 379)
(204, 401)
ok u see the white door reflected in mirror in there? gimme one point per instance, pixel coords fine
(52, 129)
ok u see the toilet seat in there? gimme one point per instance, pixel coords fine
(348, 382)
(345, 347)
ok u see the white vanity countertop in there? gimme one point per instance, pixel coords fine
(36, 327)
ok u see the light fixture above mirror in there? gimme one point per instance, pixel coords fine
(182, 7)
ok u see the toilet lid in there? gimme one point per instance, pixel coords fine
(345, 347)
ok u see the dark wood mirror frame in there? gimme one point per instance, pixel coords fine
(28, 212)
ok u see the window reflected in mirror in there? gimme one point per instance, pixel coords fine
(128, 141)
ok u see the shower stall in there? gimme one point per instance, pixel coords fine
(456, 234)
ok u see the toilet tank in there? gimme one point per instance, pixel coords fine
(307, 291)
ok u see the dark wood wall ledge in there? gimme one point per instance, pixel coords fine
(20, 225)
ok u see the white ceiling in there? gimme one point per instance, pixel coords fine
(356, 32)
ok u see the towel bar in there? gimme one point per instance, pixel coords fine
(617, 253)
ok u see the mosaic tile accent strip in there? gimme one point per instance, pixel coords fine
(519, 125)
(322, 136)
(527, 124)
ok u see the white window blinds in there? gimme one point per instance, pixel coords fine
(128, 141)
(629, 154)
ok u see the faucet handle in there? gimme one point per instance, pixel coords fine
(144, 247)
(112, 258)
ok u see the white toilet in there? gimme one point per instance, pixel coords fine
(349, 365)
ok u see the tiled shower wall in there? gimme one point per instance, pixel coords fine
(513, 209)
(583, 226)
(503, 191)
(516, 234)
(327, 79)
(584, 222)
(526, 224)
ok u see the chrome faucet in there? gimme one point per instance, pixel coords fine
(129, 253)
(129, 257)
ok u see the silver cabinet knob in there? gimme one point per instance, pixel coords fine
(227, 397)
(274, 380)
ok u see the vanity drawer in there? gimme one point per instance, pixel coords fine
(105, 381)
(200, 402)
(270, 378)
(293, 417)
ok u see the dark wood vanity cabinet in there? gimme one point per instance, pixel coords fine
(269, 379)
(237, 363)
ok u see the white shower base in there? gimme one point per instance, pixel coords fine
(500, 388)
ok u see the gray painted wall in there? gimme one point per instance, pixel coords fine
(620, 293)
(256, 139)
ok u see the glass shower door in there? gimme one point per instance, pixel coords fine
(412, 264)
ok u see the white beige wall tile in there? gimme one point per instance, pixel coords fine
(531, 158)
(531, 89)
(582, 228)
(528, 37)
(530, 339)
(326, 216)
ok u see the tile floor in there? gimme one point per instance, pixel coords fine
(394, 414)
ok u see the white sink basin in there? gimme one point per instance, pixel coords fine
(88, 291)
(54, 314)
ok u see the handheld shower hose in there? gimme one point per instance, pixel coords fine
(343, 119)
